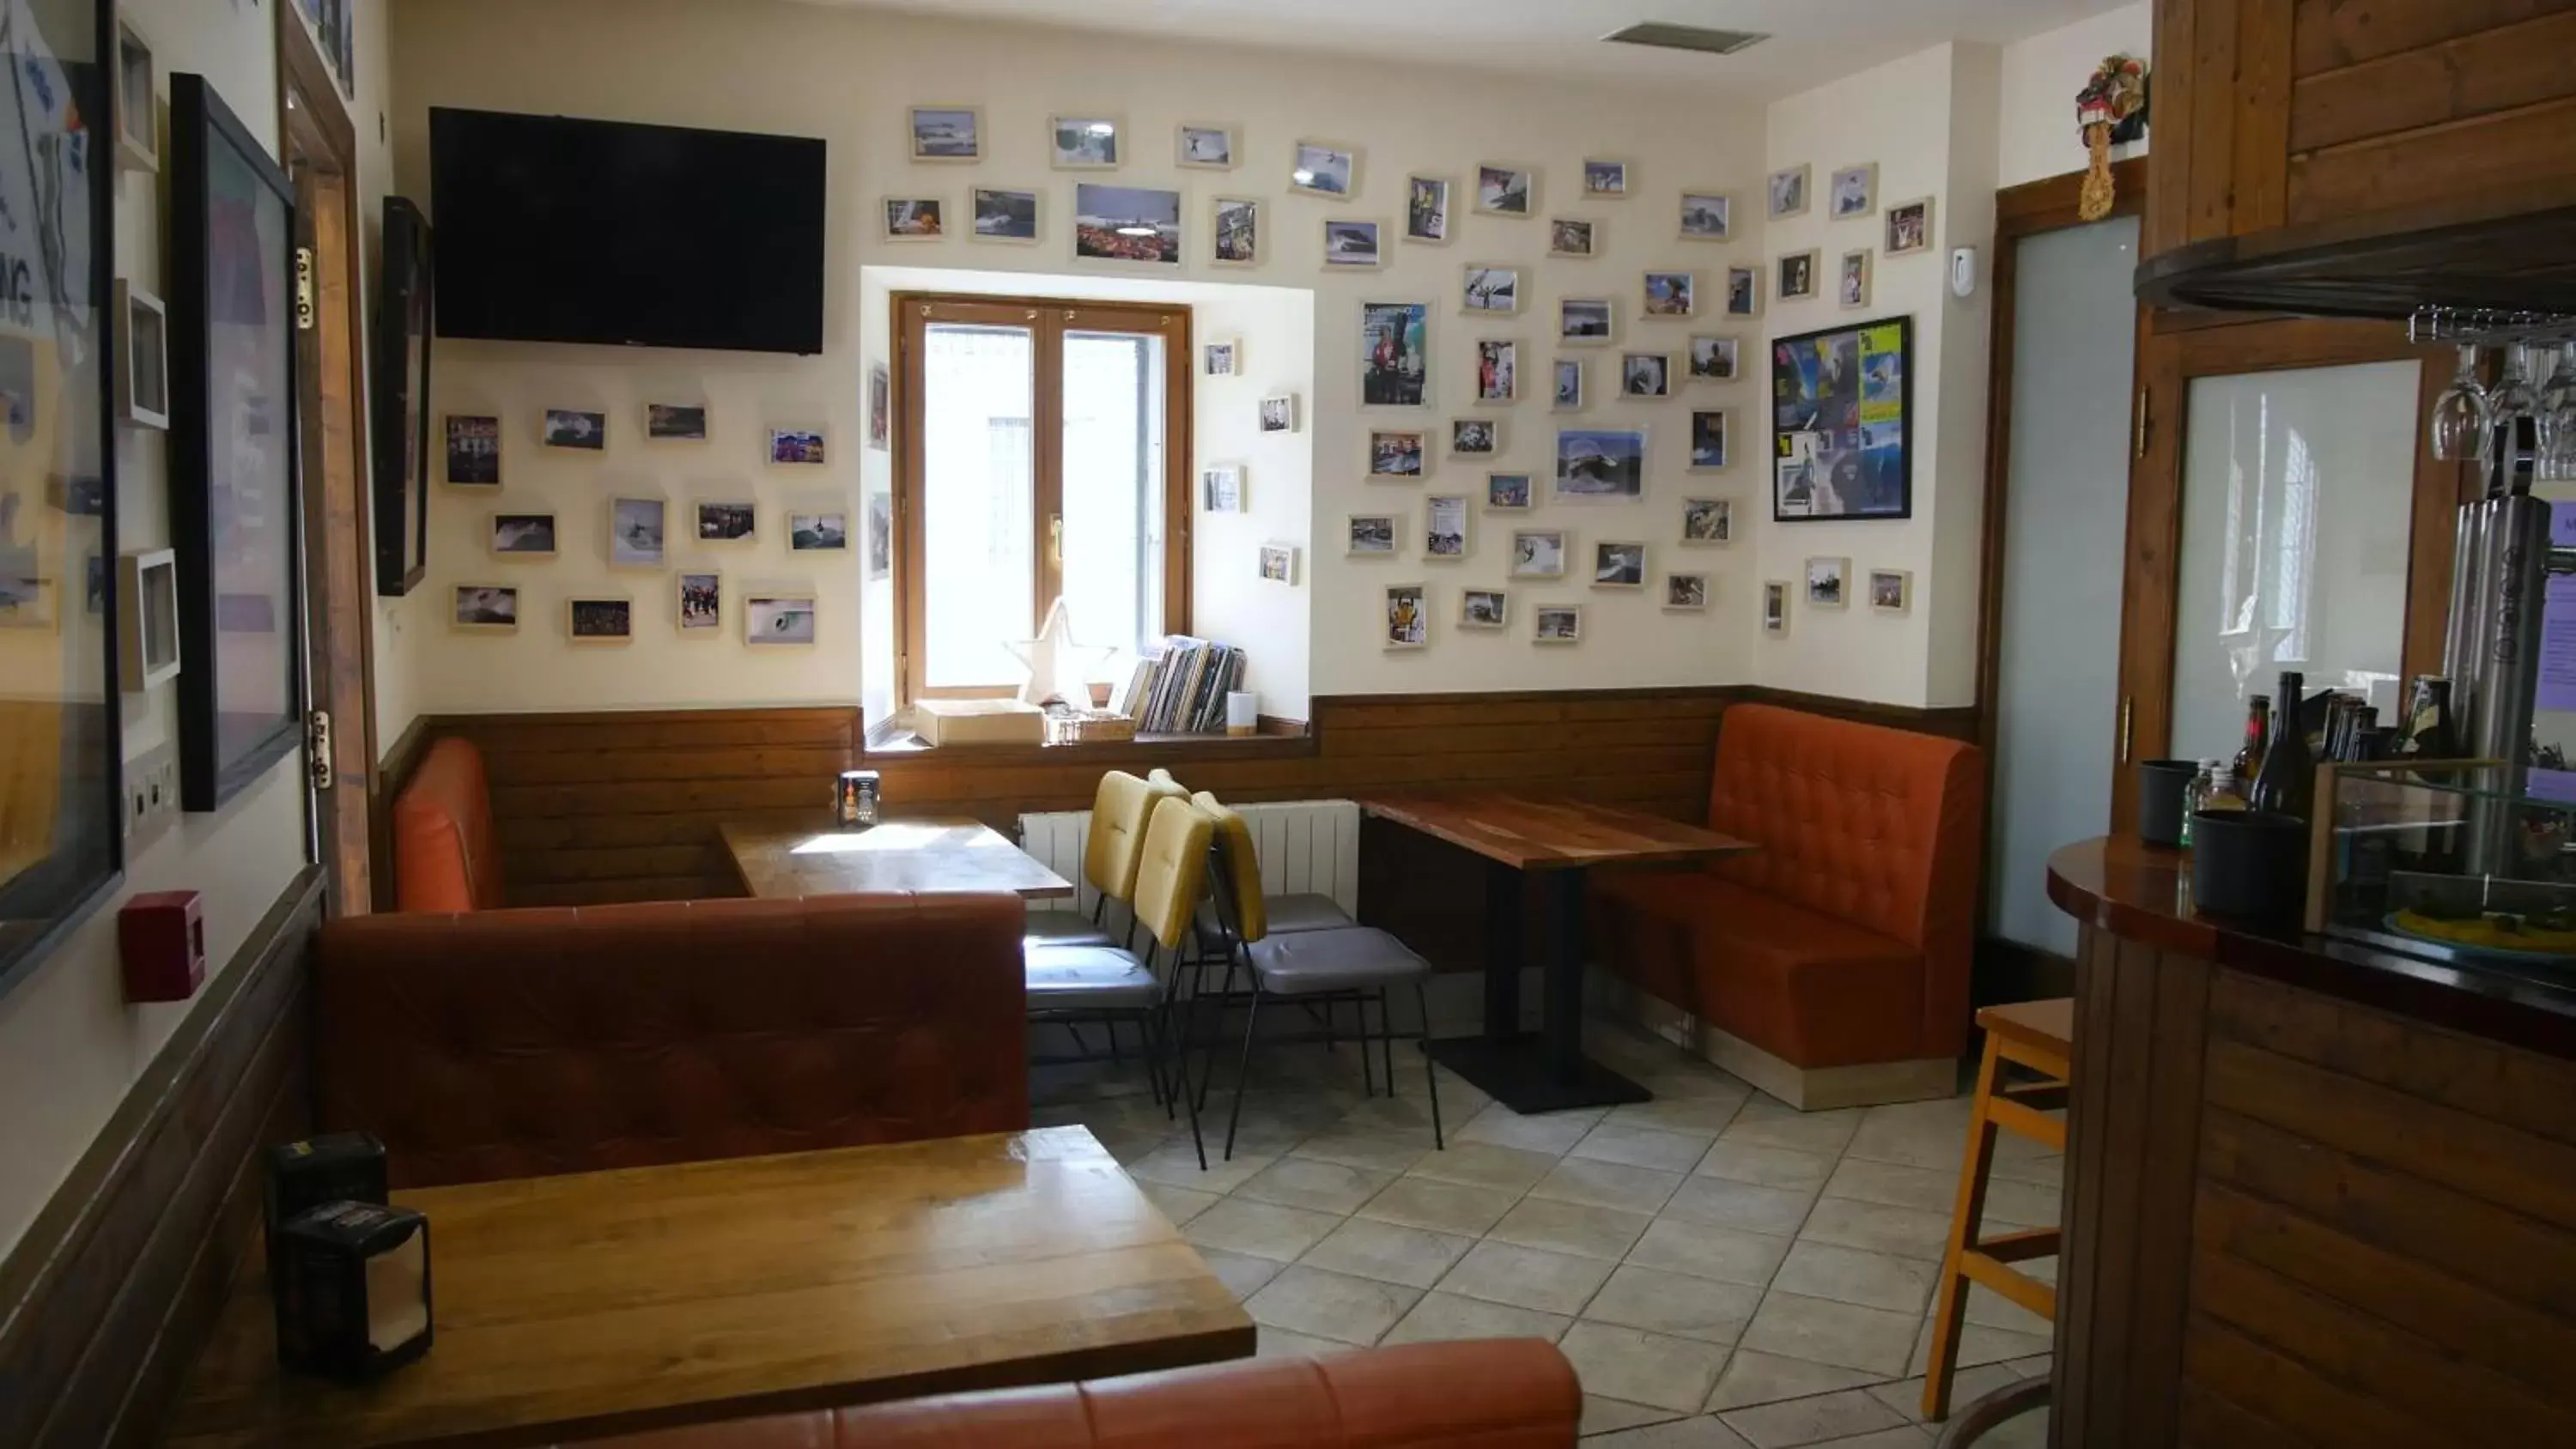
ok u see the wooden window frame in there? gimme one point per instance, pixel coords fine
(1047, 319)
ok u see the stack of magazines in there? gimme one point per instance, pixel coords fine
(1182, 689)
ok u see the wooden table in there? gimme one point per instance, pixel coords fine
(568, 1307)
(1557, 841)
(817, 859)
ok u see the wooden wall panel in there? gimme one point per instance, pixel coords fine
(2435, 163)
(2327, 34)
(2475, 75)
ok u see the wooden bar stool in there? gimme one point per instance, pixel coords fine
(2038, 1035)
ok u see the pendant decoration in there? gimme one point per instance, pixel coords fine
(2111, 110)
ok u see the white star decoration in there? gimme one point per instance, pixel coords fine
(1054, 661)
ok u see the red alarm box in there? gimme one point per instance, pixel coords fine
(161, 937)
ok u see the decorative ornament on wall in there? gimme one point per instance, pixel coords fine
(2111, 110)
(1054, 660)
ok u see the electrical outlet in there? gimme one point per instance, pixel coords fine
(151, 798)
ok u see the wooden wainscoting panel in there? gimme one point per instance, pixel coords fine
(106, 1300)
(2327, 34)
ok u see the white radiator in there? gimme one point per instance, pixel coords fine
(1306, 846)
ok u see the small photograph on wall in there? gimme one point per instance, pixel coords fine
(947, 133)
(1672, 294)
(635, 532)
(817, 532)
(1707, 522)
(1798, 275)
(1618, 564)
(1706, 215)
(1084, 143)
(1743, 291)
(1205, 148)
(701, 603)
(1909, 226)
(1507, 492)
(1350, 243)
(1645, 374)
(1426, 209)
(1708, 441)
(1475, 437)
(1775, 606)
(1221, 488)
(1841, 424)
(1003, 215)
(725, 522)
(486, 608)
(1605, 178)
(1585, 320)
(1235, 227)
(1395, 354)
(523, 535)
(1374, 533)
(774, 619)
(1498, 370)
(1828, 583)
(801, 447)
(1567, 392)
(1221, 359)
(1506, 190)
(1538, 553)
(1573, 237)
(915, 218)
(1279, 413)
(571, 428)
(1444, 527)
(1494, 291)
(1787, 190)
(474, 451)
(1854, 191)
(1891, 591)
(675, 423)
(1127, 224)
(1852, 284)
(1484, 609)
(1712, 359)
(1408, 616)
(1556, 624)
(1600, 465)
(600, 621)
(1279, 563)
(1686, 593)
(880, 407)
(880, 537)
(1324, 168)
(1396, 454)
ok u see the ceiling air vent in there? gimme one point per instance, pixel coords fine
(1687, 37)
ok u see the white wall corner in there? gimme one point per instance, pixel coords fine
(1948, 594)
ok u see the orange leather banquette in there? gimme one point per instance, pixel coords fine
(444, 856)
(1846, 938)
(1510, 1393)
(498, 1044)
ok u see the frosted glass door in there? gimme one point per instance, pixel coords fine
(2065, 516)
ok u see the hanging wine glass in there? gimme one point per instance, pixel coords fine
(2509, 402)
(2555, 419)
(2460, 414)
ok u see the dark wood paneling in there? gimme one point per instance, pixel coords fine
(2436, 163)
(2327, 34)
(106, 1299)
(2476, 75)
(2260, 102)
(2176, 138)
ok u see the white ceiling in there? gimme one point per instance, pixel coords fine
(1813, 41)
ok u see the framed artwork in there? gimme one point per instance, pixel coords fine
(1909, 226)
(473, 451)
(607, 620)
(401, 403)
(62, 673)
(1325, 168)
(1426, 209)
(1085, 143)
(1395, 354)
(1706, 214)
(142, 356)
(946, 133)
(1842, 422)
(233, 486)
(1004, 215)
(1493, 290)
(1206, 148)
(1234, 232)
(138, 145)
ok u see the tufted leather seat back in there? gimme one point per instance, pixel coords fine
(444, 856)
(1173, 873)
(1503, 1393)
(520, 1043)
(1120, 810)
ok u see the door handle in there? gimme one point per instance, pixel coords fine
(1055, 542)
(2128, 711)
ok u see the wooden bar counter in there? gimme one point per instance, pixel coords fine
(2316, 1194)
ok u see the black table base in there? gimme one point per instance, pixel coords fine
(1544, 1071)
(1514, 1071)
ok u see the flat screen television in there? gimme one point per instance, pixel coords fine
(555, 229)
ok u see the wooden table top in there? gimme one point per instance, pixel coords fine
(816, 859)
(1538, 834)
(568, 1307)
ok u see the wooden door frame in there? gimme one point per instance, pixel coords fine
(911, 312)
(352, 824)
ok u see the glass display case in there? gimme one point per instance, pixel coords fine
(2436, 859)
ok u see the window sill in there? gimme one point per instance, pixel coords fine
(1279, 740)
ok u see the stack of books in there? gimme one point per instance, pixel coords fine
(1182, 689)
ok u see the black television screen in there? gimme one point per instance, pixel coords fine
(552, 229)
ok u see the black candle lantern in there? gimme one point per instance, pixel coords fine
(352, 1282)
(854, 799)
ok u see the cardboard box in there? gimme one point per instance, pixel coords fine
(978, 722)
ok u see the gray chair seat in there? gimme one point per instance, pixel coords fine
(1348, 959)
(1288, 914)
(1087, 978)
(1061, 928)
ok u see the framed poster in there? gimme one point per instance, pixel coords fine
(401, 379)
(233, 501)
(61, 845)
(1842, 404)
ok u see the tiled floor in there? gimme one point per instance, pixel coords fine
(1721, 1269)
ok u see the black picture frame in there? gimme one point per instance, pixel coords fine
(401, 402)
(57, 365)
(1836, 453)
(235, 506)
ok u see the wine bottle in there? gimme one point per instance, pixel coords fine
(2287, 782)
(2258, 728)
(2428, 732)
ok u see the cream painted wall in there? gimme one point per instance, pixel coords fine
(70, 1048)
(846, 76)
(2040, 77)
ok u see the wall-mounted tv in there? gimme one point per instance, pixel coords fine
(554, 229)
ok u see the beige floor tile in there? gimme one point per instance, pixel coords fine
(1446, 1316)
(1526, 1278)
(1816, 1420)
(1548, 1132)
(1925, 1189)
(1376, 1151)
(2021, 1431)
(1410, 1112)
(1728, 1255)
(1180, 1204)
(1916, 1134)
(1604, 1416)
(1690, 1077)
(1325, 1187)
(1330, 1305)
(1766, 1166)
(1566, 1227)
(1131, 1147)
(1753, 1377)
(1904, 1436)
(2035, 1364)
(1261, 1229)
(1388, 1253)
(1705, 1114)
(1241, 1273)
(1280, 1343)
(1990, 1309)
(1768, 1122)
(2022, 1204)
(1700, 1432)
(1674, 1303)
(1727, 1203)
(1643, 1147)
(1483, 1164)
(1607, 1184)
(1846, 1335)
(1854, 1275)
(1174, 1162)
(1642, 1367)
(1978, 1345)
(1442, 1207)
(1905, 1396)
(1906, 1232)
(2046, 1170)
